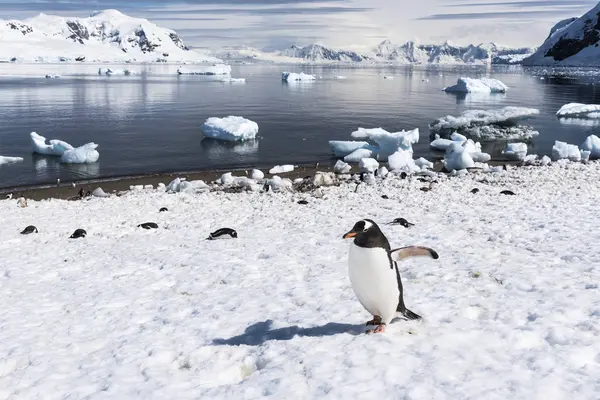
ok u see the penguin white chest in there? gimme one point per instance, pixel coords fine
(374, 282)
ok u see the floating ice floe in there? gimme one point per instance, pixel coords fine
(85, 154)
(592, 144)
(487, 124)
(388, 142)
(294, 77)
(388, 77)
(52, 76)
(515, 151)
(341, 167)
(233, 80)
(457, 157)
(281, 169)
(55, 148)
(216, 69)
(116, 71)
(480, 85)
(562, 151)
(578, 110)
(339, 77)
(341, 148)
(230, 128)
(9, 160)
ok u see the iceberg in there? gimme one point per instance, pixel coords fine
(55, 148)
(9, 160)
(341, 148)
(487, 124)
(294, 77)
(481, 85)
(85, 154)
(215, 69)
(592, 144)
(230, 128)
(515, 151)
(578, 110)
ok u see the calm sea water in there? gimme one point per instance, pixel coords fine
(151, 122)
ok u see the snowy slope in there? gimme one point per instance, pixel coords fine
(572, 42)
(105, 36)
(511, 307)
(386, 52)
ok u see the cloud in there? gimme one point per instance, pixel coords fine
(495, 15)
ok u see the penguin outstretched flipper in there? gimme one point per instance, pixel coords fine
(402, 253)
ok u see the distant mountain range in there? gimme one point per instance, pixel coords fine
(386, 52)
(571, 42)
(105, 36)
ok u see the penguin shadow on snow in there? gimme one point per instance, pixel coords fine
(261, 332)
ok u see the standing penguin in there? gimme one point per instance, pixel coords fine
(374, 273)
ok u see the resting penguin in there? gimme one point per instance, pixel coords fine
(374, 273)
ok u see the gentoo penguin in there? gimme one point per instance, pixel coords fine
(79, 233)
(221, 232)
(374, 273)
(148, 225)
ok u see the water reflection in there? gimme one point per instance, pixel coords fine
(587, 122)
(50, 165)
(216, 149)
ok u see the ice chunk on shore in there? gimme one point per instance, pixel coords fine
(85, 154)
(216, 69)
(402, 160)
(562, 150)
(368, 165)
(423, 163)
(440, 144)
(281, 169)
(480, 85)
(294, 77)
(55, 148)
(579, 110)
(515, 151)
(278, 184)
(457, 157)
(592, 144)
(341, 148)
(233, 80)
(230, 128)
(341, 167)
(98, 192)
(10, 160)
(487, 124)
(257, 175)
(388, 142)
(358, 155)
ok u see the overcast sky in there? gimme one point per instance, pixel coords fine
(339, 23)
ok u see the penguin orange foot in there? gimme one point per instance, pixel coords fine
(379, 329)
(375, 321)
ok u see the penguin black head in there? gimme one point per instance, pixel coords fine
(366, 233)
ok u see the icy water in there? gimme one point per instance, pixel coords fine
(151, 123)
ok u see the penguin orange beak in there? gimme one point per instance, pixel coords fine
(348, 235)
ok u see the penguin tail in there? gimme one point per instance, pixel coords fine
(411, 315)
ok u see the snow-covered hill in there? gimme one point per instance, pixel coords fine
(105, 36)
(572, 42)
(386, 52)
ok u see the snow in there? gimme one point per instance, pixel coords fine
(578, 110)
(515, 151)
(281, 169)
(480, 85)
(369, 165)
(86, 154)
(231, 128)
(592, 144)
(510, 308)
(233, 80)
(10, 160)
(457, 157)
(107, 36)
(55, 148)
(500, 124)
(294, 77)
(216, 69)
(562, 150)
(341, 148)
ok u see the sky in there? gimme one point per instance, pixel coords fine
(353, 24)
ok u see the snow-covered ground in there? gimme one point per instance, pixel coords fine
(511, 308)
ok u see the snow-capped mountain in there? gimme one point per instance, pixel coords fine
(571, 42)
(386, 52)
(105, 36)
